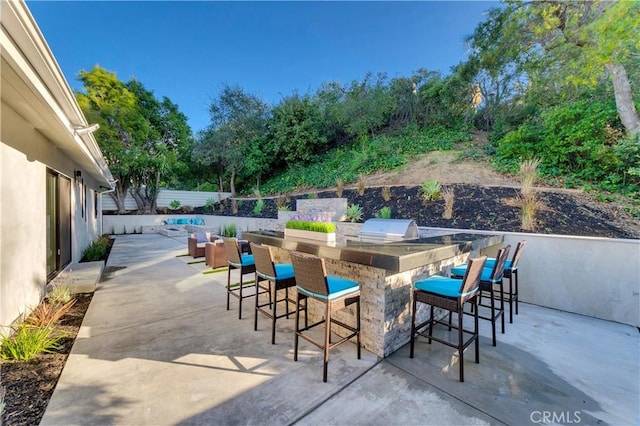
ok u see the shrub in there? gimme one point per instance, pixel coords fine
(528, 176)
(386, 193)
(448, 196)
(175, 204)
(259, 207)
(48, 313)
(384, 213)
(60, 294)
(28, 341)
(430, 190)
(361, 184)
(97, 250)
(304, 225)
(230, 230)
(339, 186)
(529, 208)
(208, 205)
(354, 213)
(208, 187)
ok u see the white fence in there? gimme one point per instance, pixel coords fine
(166, 196)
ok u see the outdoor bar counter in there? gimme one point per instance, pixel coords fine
(385, 272)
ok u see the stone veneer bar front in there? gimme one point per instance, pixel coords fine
(385, 272)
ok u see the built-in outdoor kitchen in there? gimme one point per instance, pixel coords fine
(385, 256)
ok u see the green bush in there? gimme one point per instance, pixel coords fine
(230, 230)
(28, 341)
(354, 213)
(384, 213)
(208, 205)
(208, 187)
(348, 163)
(97, 250)
(431, 190)
(305, 225)
(259, 207)
(175, 204)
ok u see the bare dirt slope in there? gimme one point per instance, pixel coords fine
(446, 168)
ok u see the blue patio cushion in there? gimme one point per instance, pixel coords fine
(489, 264)
(284, 271)
(245, 260)
(201, 237)
(443, 286)
(460, 270)
(492, 261)
(338, 287)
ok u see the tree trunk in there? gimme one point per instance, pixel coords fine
(624, 101)
(119, 195)
(233, 183)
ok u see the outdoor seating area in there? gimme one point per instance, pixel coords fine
(215, 363)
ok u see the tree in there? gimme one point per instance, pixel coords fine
(580, 43)
(297, 130)
(141, 137)
(236, 118)
(108, 102)
(168, 137)
(367, 107)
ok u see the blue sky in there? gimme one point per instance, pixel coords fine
(187, 50)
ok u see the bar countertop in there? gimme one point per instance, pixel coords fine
(394, 257)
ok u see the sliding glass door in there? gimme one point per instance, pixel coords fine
(58, 211)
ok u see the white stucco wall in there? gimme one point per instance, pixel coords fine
(22, 233)
(598, 277)
(25, 155)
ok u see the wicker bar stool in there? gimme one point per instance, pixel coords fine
(490, 283)
(282, 277)
(449, 294)
(312, 282)
(510, 272)
(246, 265)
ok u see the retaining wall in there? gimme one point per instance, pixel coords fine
(597, 277)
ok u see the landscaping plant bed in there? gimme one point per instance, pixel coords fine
(476, 207)
(30, 384)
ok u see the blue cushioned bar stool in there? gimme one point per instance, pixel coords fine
(312, 282)
(282, 278)
(450, 294)
(490, 283)
(510, 272)
(246, 265)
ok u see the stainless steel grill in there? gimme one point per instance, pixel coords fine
(387, 230)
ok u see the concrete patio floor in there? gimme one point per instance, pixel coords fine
(158, 347)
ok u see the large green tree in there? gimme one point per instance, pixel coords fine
(141, 137)
(164, 149)
(579, 43)
(237, 117)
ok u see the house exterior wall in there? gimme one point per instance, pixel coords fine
(39, 119)
(25, 155)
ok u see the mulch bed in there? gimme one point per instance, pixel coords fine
(490, 208)
(29, 385)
